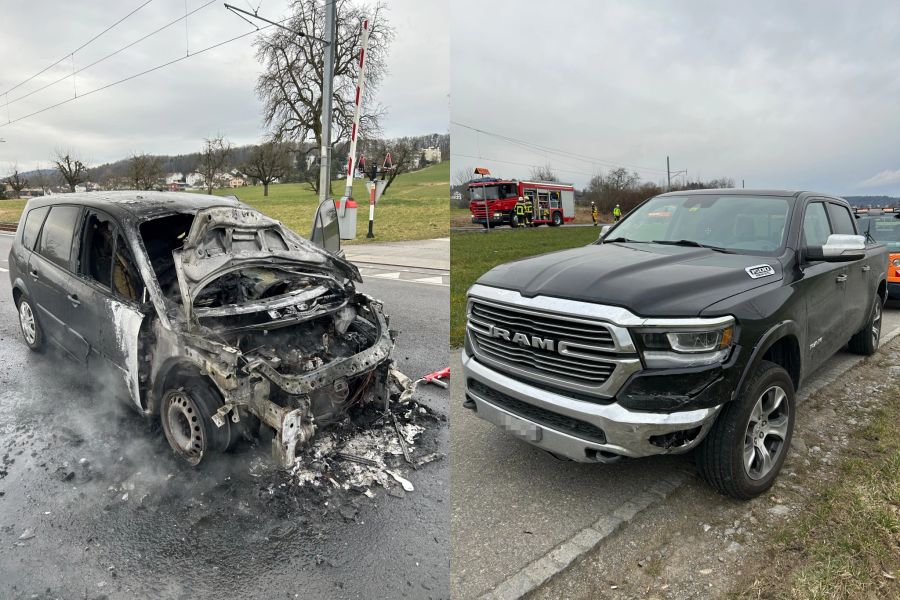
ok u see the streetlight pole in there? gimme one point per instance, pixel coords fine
(327, 90)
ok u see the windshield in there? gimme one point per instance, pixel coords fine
(734, 223)
(883, 228)
(479, 192)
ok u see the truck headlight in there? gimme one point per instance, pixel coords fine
(677, 347)
(896, 263)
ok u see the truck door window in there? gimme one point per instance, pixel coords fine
(33, 221)
(126, 279)
(815, 225)
(97, 249)
(554, 199)
(841, 219)
(57, 234)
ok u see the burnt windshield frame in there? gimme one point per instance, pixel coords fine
(681, 205)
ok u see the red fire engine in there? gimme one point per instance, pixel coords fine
(552, 203)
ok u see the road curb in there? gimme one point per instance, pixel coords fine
(557, 560)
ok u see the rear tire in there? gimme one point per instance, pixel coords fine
(865, 341)
(186, 416)
(514, 221)
(746, 447)
(557, 219)
(32, 333)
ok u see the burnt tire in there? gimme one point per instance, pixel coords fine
(865, 341)
(744, 450)
(186, 417)
(32, 334)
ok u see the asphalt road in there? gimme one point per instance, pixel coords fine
(512, 503)
(114, 514)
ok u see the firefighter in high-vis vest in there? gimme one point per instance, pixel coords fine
(529, 210)
(594, 213)
(520, 212)
(617, 213)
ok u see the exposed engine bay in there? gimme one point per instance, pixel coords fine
(275, 323)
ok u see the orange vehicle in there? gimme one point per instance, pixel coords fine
(883, 225)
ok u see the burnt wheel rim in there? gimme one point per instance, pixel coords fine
(183, 427)
(767, 431)
(876, 322)
(26, 319)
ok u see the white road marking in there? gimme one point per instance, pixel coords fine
(386, 275)
(5, 270)
(430, 280)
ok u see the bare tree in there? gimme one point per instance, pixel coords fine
(71, 168)
(213, 158)
(404, 158)
(268, 162)
(16, 182)
(290, 85)
(41, 179)
(463, 176)
(545, 173)
(144, 171)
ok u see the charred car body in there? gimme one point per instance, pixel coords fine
(690, 324)
(212, 315)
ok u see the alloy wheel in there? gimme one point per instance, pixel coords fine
(876, 322)
(26, 319)
(767, 430)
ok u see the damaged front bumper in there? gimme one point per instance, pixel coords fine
(579, 430)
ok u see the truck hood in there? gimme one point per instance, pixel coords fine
(647, 279)
(224, 238)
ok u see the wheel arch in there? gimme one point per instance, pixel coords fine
(173, 370)
(780, 345)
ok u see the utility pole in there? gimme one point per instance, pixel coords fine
(742, 184)
(669, 174)
(327, 91)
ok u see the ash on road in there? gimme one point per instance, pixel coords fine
(94, 504)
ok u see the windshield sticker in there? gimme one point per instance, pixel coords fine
(757, 271)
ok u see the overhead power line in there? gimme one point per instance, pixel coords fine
(111, 54)
(45, 69)
(130, 77)
(542, 149)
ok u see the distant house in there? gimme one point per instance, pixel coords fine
(457, 195)
(432, 154)
(174, 178)
(237, 182)
(194, 179)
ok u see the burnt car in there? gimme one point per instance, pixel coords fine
(206, 312)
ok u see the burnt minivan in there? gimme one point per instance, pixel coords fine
(208, 314)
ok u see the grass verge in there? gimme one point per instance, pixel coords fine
(846, 543)
(472, 254)
(415, 207)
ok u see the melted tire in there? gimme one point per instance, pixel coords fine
(720, 457)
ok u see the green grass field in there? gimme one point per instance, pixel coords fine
(415, 207)
(472, 254)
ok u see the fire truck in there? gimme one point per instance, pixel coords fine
(492, 201)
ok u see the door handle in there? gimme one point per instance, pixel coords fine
(34, 274)
(73, 299)
(841, 278)
(866, 268)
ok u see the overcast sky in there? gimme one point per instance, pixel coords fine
(780, 94)
(171, 110)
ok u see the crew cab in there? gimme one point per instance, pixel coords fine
(690, 324)
(884, 226)
(207, 313)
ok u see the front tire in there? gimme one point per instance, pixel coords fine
(865, 341)
(186, 416)
(747, 445)
(28, 323)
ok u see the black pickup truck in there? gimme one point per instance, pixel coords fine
(690, 324)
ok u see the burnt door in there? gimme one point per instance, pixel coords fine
(113, 313)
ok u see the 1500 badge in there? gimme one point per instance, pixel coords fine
(757, 271)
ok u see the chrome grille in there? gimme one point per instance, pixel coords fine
(583, 355)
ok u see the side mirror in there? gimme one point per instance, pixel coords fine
(838, 248)
(604, 230)
(326, 231)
